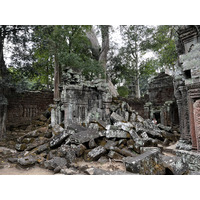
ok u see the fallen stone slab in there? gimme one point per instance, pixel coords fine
(84, 136)
(109, 144)
(103, 159)
(115, 155)
(55, 162)
(102, 124)
(144, 149)
(37, 142)
(20, 147)
(117, 134)
(76, 127)
(124, 152)
(138, 143)
(32, 134)
(27, 161)
(59, 139)
(13, 160)
(116, 118)
(174, 165)
(150, 126)
(165, 128)
(169, 136)
(92, 144)
(69, 171)
(133, 134)
(42, 148)
(147, 163)
(125, 126)
(27, 140)
(132, 117)
(70, 155)
(139, 119)
(96, 153)
(94, 126)
(194, 173)
(79, 150)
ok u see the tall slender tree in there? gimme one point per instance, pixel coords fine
(133, 50)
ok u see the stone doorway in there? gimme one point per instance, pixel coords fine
(157, 117)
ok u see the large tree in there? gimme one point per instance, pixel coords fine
(100, 52)
(130, 58)
(162, 43)
(17, 35)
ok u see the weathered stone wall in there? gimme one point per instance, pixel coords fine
(137, 105)
(81, 101)
(161, 89)
(162, 105)
(187, 86)
(25, 106)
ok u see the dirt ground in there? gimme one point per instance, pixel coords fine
(32, 171)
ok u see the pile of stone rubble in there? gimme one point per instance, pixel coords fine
(128, 139)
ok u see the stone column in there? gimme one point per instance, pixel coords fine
(53, 115)
(147, 110)
(196, 107)
(192, 123)
(185, 115)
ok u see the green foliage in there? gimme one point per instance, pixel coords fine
(129, 64)
(123, 91)
(163, 44)
(35, 64)
(69, 44)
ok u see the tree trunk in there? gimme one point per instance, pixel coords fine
(101, 56)
(137, 88)
(56, 79)
(137, 82)
(3, 114)
(3, 100)
(2, 62)
(105, 46)
(95, 47)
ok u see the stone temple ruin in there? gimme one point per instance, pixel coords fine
(81, 101)
(162, 104)
(187, 93)
(87, 124)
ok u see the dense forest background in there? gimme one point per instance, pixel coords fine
(128, 55)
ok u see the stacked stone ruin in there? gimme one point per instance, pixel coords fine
(130, 140)
(89, 124)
